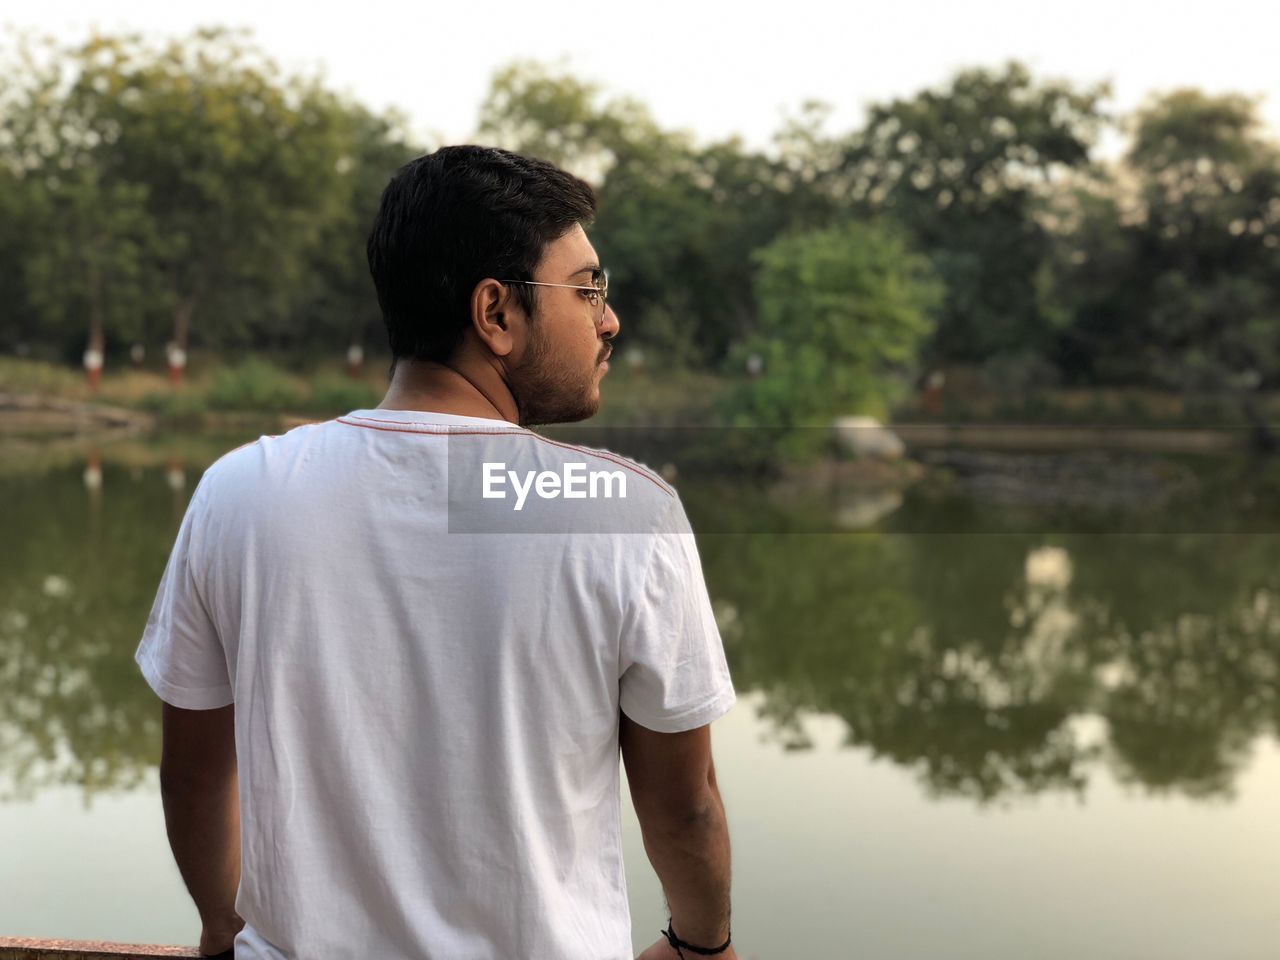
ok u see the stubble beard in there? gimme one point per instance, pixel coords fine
(549, 392)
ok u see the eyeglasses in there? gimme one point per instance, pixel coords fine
(596, 296)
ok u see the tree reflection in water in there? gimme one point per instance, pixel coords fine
(994, 665)
(76, 582)
(984, 661)
(86, 536)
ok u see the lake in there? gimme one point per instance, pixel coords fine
(1027, 708)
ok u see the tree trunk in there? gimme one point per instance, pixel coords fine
(355, 357)
(94, 354)
(177, 350)
(1262, 436)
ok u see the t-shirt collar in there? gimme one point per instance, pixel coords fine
(429, 417)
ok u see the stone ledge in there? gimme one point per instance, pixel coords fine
(30, 948)
(31, 413)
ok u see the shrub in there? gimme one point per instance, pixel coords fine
(254, 384)
(174, 403)
(842, 314)
(336, 394)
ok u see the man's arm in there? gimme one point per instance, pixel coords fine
(673, 788)
(200, 790)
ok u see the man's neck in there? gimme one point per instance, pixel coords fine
(435, 388)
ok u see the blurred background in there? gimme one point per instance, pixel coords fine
(957, 328)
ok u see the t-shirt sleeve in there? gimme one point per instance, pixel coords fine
(673, 673)
(181, 655)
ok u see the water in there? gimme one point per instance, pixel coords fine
(949, 741)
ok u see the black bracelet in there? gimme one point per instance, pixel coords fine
(677, 943)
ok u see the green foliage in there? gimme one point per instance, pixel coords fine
(678, 226)
(678, 221)
(192, 191)
(31, 376)
(1186, 126)
(1172, 272)
(1019, 373)
(335, 299)
(188, 191)
(183, 404)
(546, 112)
(256, 385)
(92, 270)
(965, 169)
(843, 312)
(240, 165)
(19, 320)
(335, 394)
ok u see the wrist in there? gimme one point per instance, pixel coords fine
(219, 932)
(222, 924)
(721, 948)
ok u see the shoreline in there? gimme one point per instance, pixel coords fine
(37, 417)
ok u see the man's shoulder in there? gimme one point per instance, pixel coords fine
(601, 459)
(249, 460)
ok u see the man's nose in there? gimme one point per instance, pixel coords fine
(610, 325)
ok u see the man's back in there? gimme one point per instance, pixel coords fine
(428, 682)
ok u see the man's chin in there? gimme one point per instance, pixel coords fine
(586, 408)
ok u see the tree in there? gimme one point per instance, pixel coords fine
(842, 313)
(231, 166)
(679, 223)
(92, 263)
(965, 169)
(18, 321)
(80, 259)
(1209, 239)
(241, 163)
(678, 220)
(335, 299)
(1174, 266)
(544, 111)
(187, 188)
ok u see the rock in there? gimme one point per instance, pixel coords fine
(867, 437)
(863, 509)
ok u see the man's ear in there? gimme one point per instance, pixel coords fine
(490, 316)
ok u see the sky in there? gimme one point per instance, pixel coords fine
(717, 68)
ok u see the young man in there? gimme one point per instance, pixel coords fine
(395, 689)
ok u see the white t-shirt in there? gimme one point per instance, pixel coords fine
(427, 712)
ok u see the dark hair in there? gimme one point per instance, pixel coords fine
(454, 217)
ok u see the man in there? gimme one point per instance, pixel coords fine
(396, 697)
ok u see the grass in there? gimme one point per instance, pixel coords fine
(35, 376)
(253, 385)
(256, 385)
(629, 397)
(673, 397)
